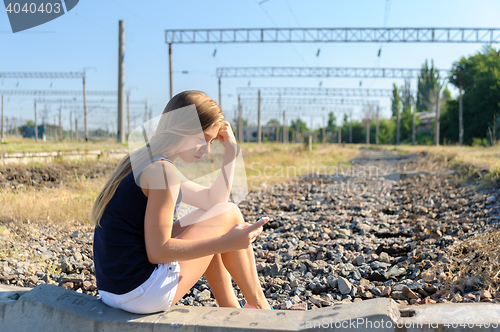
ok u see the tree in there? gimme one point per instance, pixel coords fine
(480, 75)
(395, 100)
(427, 87)
(273, 122)
(332, 119)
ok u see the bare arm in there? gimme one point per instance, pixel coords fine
(158, 221)
(206, 197)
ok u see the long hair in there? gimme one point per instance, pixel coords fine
(208, 112)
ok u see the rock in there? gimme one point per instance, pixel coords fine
(398, 295)
(363, 282)
(485, 296)
(376, 265)
(344, 285)
(360, 260)
(68, 285)
(386, 291)
(74, 278)
(396, 272)
(409, 293)
(299, 306)
(203, 296)
(88, 286)
(75, 234)
(384, 257)
(332, 281)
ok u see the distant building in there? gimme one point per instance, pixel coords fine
(425, 119)
(29, 132)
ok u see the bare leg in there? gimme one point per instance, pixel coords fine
(240, 263)
(220, 283)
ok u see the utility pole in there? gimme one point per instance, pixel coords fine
(350, 127)
(15, 127)
(36, 125)
(220, 95)
(340, 135)
(460, 117)
(60, 126)
(376, 128)
(2, 119)
(55, 129)
(324, 129)
(71, 125)
(259, 129)
(170, 69)
(85, 109)
(367, 131)
(436, 130)
(120, 135)
(76, 128)
(128, 113)
(145, 111)
(297, 130)
(240, 121)
(414, 119)
(397, 131)
(285, 129)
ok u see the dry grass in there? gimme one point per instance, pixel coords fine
(29, 145)
(274, 162)
(72, 201)
(477, 163)
(475, 264)
(67, 204)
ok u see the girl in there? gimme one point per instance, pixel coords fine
(144, 261)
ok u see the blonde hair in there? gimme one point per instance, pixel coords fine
(208, 112)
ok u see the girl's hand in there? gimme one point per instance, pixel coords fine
(226, 135)
(242, 235)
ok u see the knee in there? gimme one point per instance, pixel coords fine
(230, 211)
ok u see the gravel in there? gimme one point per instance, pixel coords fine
(330, 240)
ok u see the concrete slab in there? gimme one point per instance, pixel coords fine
(52, 308)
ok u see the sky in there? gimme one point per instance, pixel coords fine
(87, 37)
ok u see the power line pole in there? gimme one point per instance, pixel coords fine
(397, 130)
(146, 111)
(128, 113)
(220, 95)
(2, 119)
(350, 127)
(85, 110)
(71, 125)
(413, 120)
(285, 129)
(36, 125)
(170, 69)
(297, 130)
(55, 129)
(259, 129)
(15, 127)
(240, 122)
(436, 131)
(340, 135)
(460, 117)
(120, 135)
(60, 126)
(367, 131)
(76, 128)
(376, 128)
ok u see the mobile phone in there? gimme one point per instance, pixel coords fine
(262, 218)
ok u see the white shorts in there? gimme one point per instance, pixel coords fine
(154, 295)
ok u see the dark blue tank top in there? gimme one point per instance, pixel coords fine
(120, 258)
